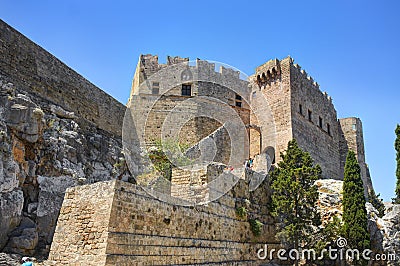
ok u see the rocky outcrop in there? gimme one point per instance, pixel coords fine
(384, 232)
(330, 198)
(44, 150)
(391, 231)
(11, 195)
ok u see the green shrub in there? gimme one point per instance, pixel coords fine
(241, 212)
(255, 226)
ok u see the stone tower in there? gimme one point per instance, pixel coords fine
(351, 134)
(301, 111)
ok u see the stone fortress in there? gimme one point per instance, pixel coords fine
(299, 109)
(61, 161)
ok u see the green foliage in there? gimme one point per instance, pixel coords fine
(355, 219)
(241, 212)
(120, 163)
(294, 197)
(397, 148)
(168, 154)
(377, 203)
(326, 237)
(255, 226)
(332, 230)
(161, 162)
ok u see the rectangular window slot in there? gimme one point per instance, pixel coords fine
(186, 90)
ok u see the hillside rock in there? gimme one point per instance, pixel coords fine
(330, 198)
(391, 231)
(384, 232)
(44, 150)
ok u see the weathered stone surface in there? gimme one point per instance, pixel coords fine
(374, 227)
(24, 117)
(211, 234)
(390, 227)
(31, 67)
(11, 204)
(10, 259)
(384, 232)
(51, 196)
(60, 112)
(24, 243)
(330, 198)
(44, 151)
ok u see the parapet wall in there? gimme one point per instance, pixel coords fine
(45, 76)
(141, 230)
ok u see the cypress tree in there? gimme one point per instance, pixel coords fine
(355, 218)
(294, 197)
(397, 148)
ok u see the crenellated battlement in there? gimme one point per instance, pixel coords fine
(268, 72)
(308, 79)
(149, 69)
(176, 60)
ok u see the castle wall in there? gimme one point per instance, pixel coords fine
(145, 231)
(33, 67)
(317, 134)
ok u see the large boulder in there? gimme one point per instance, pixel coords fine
(51, 195)
(11, 204)
(24, 242)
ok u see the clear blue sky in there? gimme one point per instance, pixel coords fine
(351, 48)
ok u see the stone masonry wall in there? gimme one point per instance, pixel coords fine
(30, 66)
(81, 236)
(215, 89)
(145, 231)
(316, 133)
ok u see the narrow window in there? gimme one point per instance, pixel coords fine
(301, 109)
(353, 127)
(309, 115)
(328, 128)
(320, 122)
(155, 89)
(186, 90)
(238, 100)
